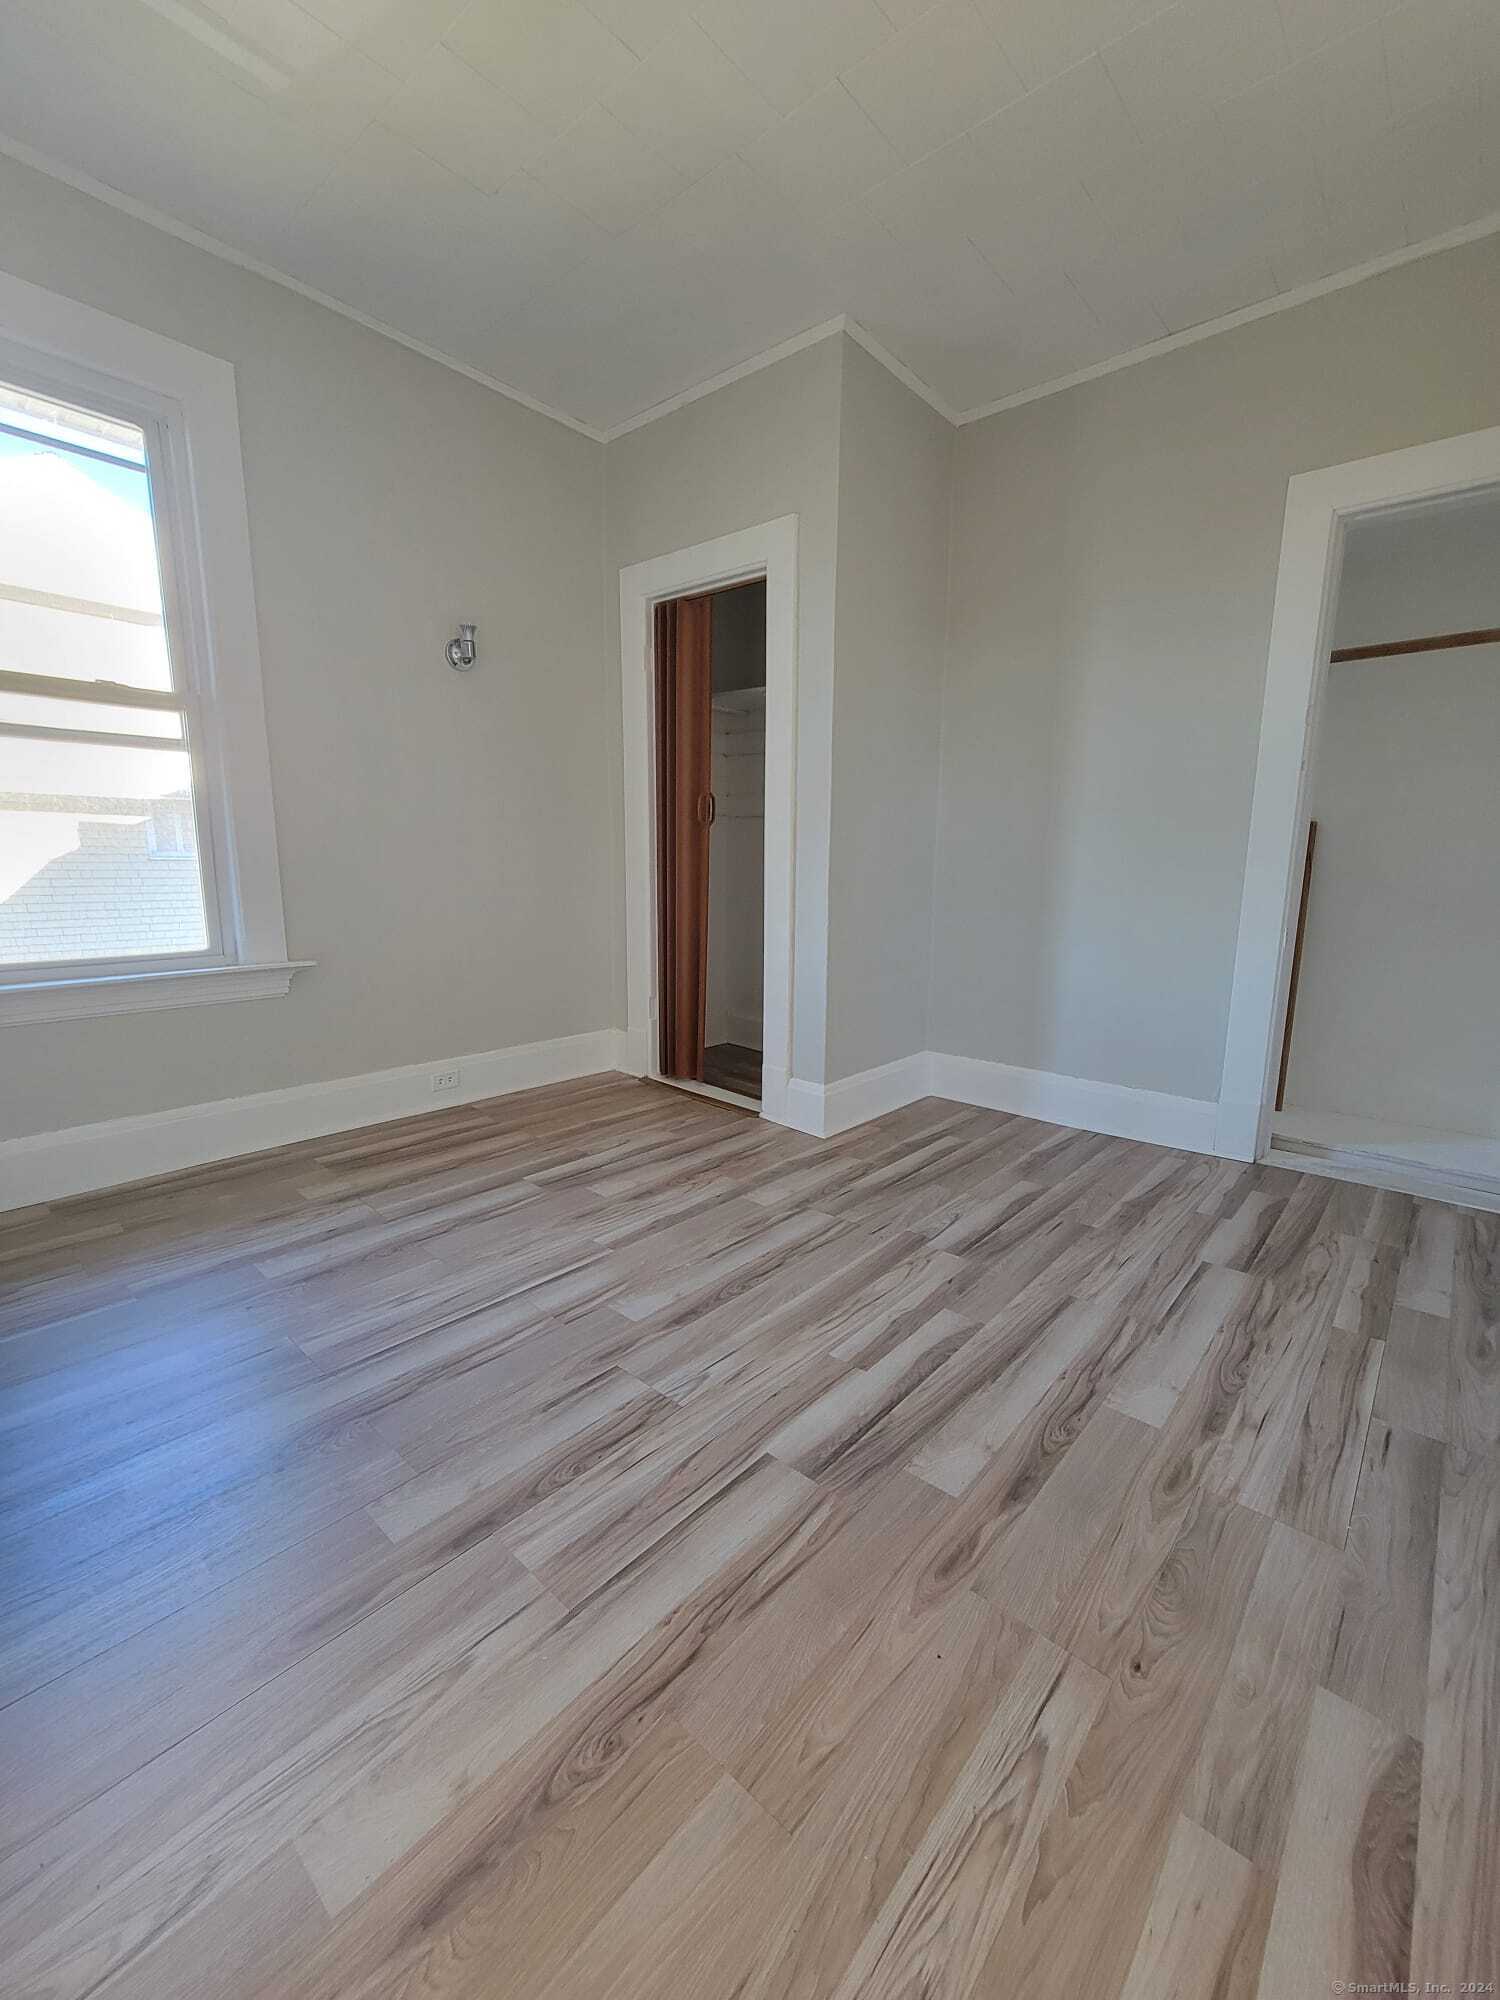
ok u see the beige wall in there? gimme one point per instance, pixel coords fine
(762, 447)
(451, 845)
(895, 458)
(1113, 571)
(445, 839)
(1398, 1014)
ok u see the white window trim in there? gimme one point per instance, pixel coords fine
(187, 399)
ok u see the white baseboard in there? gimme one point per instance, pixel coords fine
(824, 1109)
(1184, 1122)
(47, 1166)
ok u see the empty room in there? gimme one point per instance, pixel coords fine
(749, 962)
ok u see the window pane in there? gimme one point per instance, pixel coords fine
(80, 584)
(98, 853)
(42, 711)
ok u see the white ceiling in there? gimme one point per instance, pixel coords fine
(604, 202)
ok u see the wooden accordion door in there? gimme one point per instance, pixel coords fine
(684, 814)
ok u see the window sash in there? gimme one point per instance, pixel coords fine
(166, 471)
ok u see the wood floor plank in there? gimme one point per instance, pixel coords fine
(939, 1923)
(1426, 1280)
(1205, 1930)
(1243, 1781)
(513, 1692)
(597, 1542)
(1032, 1571)
(1457, 1933)
(1474, 1373)
(696, 1902)
(1343, 1909)
(1380, 1656)
(1412, 1393)
(860, 1799)
(1073, 1928)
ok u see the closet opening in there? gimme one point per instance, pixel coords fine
(710, 710)
(1390, 1059)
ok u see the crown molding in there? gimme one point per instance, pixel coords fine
(767, 358)
(899, 369)
(1280, 302)
(141, 211)
(841, 323)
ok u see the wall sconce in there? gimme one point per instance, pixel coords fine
(462, 651)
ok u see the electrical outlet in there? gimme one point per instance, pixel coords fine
(447, 1079)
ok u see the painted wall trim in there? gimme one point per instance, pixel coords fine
(751, 365)
(48, 1166)
(1450, 239)
(826, 1109)
(139, 992)
(1279, 302)
(1186, 1123)
(1152, 1115)
(768, 550)
(141, 211)
(1317, 506)
(782, 351)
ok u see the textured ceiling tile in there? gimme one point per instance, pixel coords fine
(608, 173)
(419, 187)
(395, 33)
(128, 97)
(935, 79)
(450, 113)
(1325, 108)
(825, 154)
(1120, 301)
(1045, 37)
(350, 18)
(552, 56)
(640, 24)
(689, 101)
(1169, 70)
(1034, 239)
(939, 199)
(1434, 51)
(901, 13)
(1312, 24)
(396, 235)
(789, 48)
(286, 34)
(1191, 295)
(1068, 129)
(334, 102)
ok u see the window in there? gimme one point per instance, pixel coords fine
(137, 852)
(101, 857)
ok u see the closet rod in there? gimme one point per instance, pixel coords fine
(1439, 644)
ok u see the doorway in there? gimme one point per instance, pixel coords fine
(710, 709)
(1327, 513)
(794, 944)
(1391, 1053)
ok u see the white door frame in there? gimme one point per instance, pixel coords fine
(1312, 544)
(769, 550)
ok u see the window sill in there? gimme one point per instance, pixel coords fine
(135, 992)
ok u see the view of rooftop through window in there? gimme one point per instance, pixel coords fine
(98, 834)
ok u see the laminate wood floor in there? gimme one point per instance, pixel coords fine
(593, 1544)
(733, 1066)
